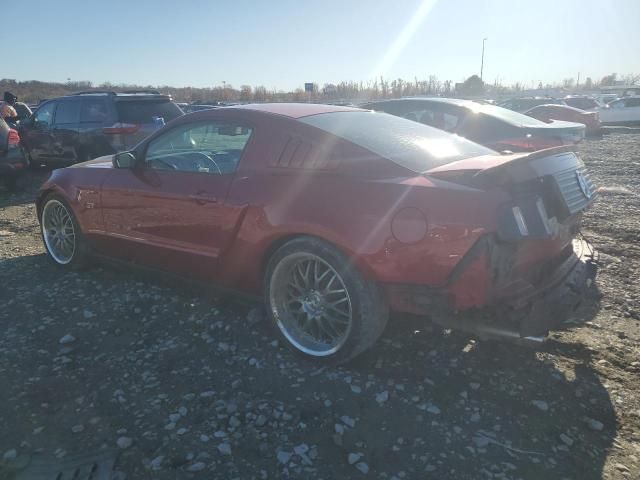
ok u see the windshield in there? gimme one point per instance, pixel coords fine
(410, 144)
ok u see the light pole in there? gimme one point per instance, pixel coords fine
(482, 61)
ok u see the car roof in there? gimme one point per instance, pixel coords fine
(125, 95)
(447, 101)
(294, 110)
(556, 106)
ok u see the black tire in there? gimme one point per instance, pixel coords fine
(369, 310)
(80, 257)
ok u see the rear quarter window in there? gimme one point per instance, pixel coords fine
(409, 144)
(143, 111)
(94, 110)
(68, 112)
(481, 128)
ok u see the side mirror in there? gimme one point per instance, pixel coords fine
(124, 160)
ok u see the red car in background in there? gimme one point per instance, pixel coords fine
(547, 113)
(336, 217)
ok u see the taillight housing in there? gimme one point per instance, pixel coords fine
(121, 128)
(14, 138)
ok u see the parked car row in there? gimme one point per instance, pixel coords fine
(494, 127)
(583, 102)
(610, 109)
(87, 125)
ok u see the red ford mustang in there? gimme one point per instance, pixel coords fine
(337, 216)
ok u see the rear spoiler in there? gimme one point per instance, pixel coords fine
(489, 169)
(527, 157)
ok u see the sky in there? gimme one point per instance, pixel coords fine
(282, 44)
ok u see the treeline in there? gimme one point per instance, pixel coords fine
(34, 91)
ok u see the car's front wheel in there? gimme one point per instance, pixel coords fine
(61, 234)
(319, 302)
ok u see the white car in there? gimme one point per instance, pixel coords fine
(624, 110)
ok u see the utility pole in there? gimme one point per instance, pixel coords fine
(578, 82)
(482, 61)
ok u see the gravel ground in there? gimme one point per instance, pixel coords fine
(180, 384)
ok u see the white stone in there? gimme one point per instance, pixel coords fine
(433, 409)
(284, 457)
(382, 397)
(124, 442)
(363, 467)
(348, 421)
(68, 338)
(301, 449)
(354, 458)
(156, 463)
(595, 424)
(196, 467)
(566, 439)
(10, 454)
(540, 405)
(224, 449)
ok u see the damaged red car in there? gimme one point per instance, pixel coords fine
(337, 217)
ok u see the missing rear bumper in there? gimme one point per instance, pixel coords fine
(526, 317)
(552, 303)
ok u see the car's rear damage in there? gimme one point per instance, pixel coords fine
(530, 274)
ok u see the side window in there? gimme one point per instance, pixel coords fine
(93, 110)
(44, 115)
(480, 127)
(68, 112)
(632, 102)
(207, 147)
(435, 118)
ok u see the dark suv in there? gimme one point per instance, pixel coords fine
(86, 125)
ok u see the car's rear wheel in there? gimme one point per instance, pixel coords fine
(319, 302)
(61, 234)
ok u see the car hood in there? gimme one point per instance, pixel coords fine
(100, 162)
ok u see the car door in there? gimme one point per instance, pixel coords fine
(65, 131)
(631, 109)
(170, 211)
(38, 135)
(95, 115)
(616, 112)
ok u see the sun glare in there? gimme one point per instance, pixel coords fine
(405, 36)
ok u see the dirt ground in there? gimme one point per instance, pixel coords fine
(171, 383)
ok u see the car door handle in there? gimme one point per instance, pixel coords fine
(202, 198)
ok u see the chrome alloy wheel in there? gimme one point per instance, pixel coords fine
(311, 304)
(58, 232)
